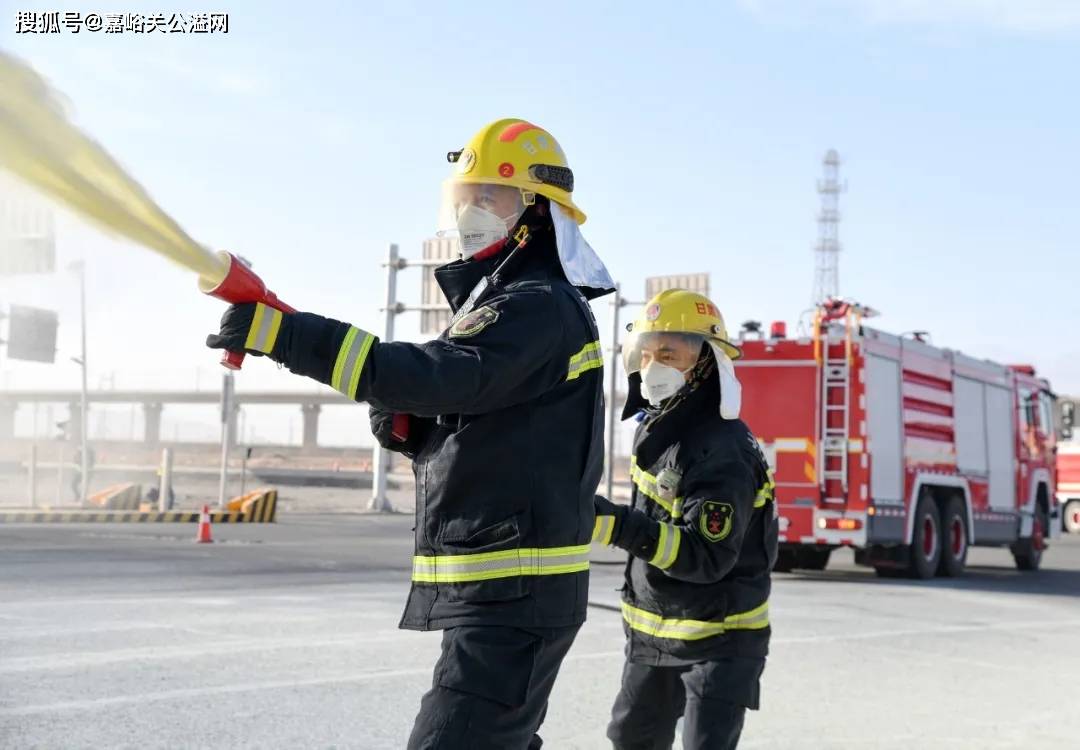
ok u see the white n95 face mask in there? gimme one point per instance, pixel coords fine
(661, 382)
(477, 229)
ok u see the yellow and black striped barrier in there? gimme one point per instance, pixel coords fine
(257, 507)
(117, 516)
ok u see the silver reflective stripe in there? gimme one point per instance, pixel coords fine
(264, 329)
(667, 547)
(485, 566)
(589, 358)
(350, 361)
(691, 630)
(603, 529)
(755, 619)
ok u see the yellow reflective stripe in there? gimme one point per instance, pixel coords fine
(765, 494)
(661, 544)
(486, 566)
(264, 329)
(652, 624)
(589, 358)
(350, 361)
(256, 324)
(667, 547)
(603, 529)
(646, 484)
(343, 355)
(754, 619)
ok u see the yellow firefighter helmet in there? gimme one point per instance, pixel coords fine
(677, 311)
(516, 153)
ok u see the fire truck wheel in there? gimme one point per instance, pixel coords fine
(926, 539)
(785, 561)
(814, 559)
(1071, 513)
(1028, 552)
(954, 539)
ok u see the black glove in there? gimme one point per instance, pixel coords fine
(630, 529)
(382, 427)
(254, 328)
(609, 521)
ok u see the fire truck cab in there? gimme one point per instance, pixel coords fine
(907, 452)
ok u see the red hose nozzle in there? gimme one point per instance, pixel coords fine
(239, 285)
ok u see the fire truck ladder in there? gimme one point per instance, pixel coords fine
(835, 401)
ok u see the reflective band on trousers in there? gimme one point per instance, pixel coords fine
(667, 547)
(693, 630)
(485, 566)
(350, 361)
(646, 484)
(589, 358)
(264, 329)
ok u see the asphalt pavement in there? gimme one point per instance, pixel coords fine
(285, 636)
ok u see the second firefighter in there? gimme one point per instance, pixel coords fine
(701, 531)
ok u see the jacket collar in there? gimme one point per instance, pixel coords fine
(662, 428)
(458, 278)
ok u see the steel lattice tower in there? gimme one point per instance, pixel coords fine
(827, 250)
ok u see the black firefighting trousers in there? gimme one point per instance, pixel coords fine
(490, 689)
(712, 697)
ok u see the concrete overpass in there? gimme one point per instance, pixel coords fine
(154, 402)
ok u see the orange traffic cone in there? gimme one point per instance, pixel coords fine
(204, 527)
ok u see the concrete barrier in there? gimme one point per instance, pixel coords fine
(124, 496)
(258, 506)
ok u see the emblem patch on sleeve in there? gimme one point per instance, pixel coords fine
(716, 520)
(473, 323)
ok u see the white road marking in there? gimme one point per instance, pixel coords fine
(149, 654)
(57, 661)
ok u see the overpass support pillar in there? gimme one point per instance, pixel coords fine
(152, 423)
(7, 419)
(311, 425)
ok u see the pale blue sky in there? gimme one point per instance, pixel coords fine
(312, 135)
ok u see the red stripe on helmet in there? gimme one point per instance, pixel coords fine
(511, 132)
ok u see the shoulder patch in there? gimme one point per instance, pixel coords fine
(474, 322)
(716, 520)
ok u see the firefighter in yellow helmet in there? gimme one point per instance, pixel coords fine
(503, 418)
(701, 531)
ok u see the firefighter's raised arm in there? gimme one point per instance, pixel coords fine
(500, 354)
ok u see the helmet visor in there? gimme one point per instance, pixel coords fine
(678, 350)
(501, 201)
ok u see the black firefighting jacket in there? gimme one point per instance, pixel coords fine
(507, 427)
(702, 533)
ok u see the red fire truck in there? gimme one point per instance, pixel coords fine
(1068, 469)
(907, 452)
